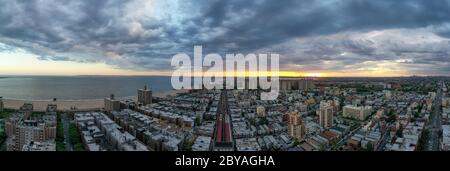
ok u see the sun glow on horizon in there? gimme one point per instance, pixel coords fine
(313, 75)
(24, 63)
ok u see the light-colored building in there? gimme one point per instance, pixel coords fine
(296, 128)
(387, 94)
(301, 107)
(21, 131)
(432, 94)
(202, 143)
(261, 111)
(40, 146)
(111, 104)
(446, 137)
(326, 116)
(247, 144)
(357, 112)
(145, 96)
(445, 101)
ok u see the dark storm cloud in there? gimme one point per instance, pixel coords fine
(270, 22)
(144, 35)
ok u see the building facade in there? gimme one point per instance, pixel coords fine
(145, 96)
(357, 112)
(261, 111)
(296, 128)
(326, 116)
(111, 104)
(296, 84)
(23, 132)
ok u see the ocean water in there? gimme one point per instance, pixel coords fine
(78, 87)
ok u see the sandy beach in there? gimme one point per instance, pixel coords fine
(94, 104)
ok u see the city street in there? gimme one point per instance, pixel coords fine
(67, 142)
(435, 121)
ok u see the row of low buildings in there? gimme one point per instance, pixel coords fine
(144, 98)
(166, 114)
(321, 139)
(275, 142)
(247, 144)
(100, 133)
(182, 110)
(410, 137)
(167, 124)
(446, 116)
(156, 133)
(202, 143)
(446, 137)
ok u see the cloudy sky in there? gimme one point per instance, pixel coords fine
(135, 37)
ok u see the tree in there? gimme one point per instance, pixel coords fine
(79, 147)
(263, 121)
(416, 115)
(369, 146)
(323, 147)
(391, 117)
(198, 120)
(296, 142)
(423, 141)
(399, 133)
(187, 145)
(420, 108)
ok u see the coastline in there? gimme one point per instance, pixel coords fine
(81, 105)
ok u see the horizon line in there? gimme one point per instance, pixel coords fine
(112, 75)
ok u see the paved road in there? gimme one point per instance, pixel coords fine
(346, 137)
(435, 121)
(67, 142)
(384, 140)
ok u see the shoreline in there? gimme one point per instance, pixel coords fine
(81, 105)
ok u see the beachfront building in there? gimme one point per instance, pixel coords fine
(22, 131)
(51, 109)
(111, 104)
(145, 96)
(26, 109)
